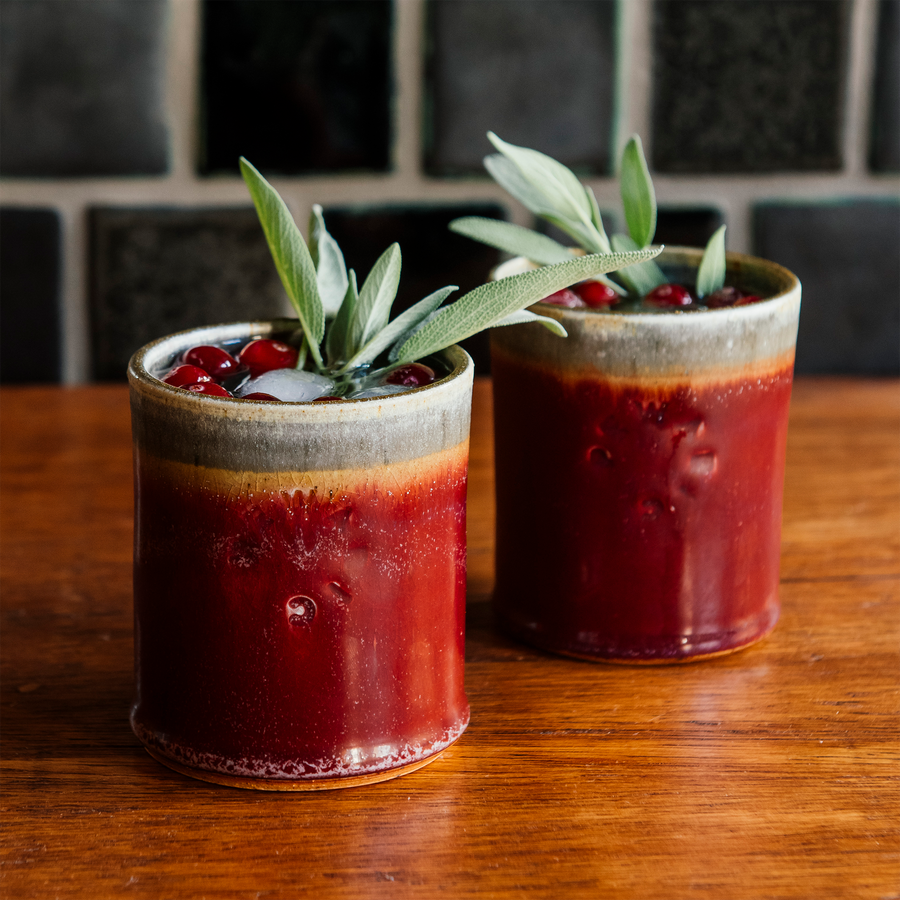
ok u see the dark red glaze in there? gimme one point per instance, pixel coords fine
(729, 296)
(411, 375)
(565, 297)
(596, 294)
(264, 355)
(214, 360)
(669, 295)
(293, 634)
(260, 395)
(635, 523)
(208, 387)
(181, 376)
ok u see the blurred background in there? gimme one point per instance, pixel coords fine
(124, 218)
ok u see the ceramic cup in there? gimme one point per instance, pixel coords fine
(640, 470)
(299, 577)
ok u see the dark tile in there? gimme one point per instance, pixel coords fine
(432, 255)
(29, 295)
(82, 88)
(296, 87)
(748, 85)
(885, 152)
(686, 227)
(539, 73)
(157, 271)
(847, 257)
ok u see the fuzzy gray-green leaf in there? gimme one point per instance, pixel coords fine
(291, 255)
(711, 274)
(597, 219)
(336, 342)
(641, 278)
(331, 271)
(638, 196)
(400, 328)
(375, 299)
(525, 316)
(492, 302)
(512, 238)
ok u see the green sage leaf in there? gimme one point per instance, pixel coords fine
(291, 255)
(711, 274)
(331, 270)
(492, 302)
(597, 219)
(512, 238)
(336, 342)
(375, 299)
(640, 278)
(525, 316)
(400, 328)
(638, 196)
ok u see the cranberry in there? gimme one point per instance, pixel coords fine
(181, 376)
(729, 296)
(669, 295)
(213, 360)
(259, 395)
(263, 355)
(208, 387)
(596, 293)
(411, 375)
(328, 398)
(565, 297)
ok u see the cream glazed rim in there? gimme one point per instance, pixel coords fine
(163, 351)
(785, 284)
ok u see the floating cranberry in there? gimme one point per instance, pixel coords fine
(669, 295)
(263, 355)
(213, 360)
(259, 395)
(595, 293)
(411, 375)
(729, 296)
(208, 387)
(181, 376)
(328, 398)
(565, 297)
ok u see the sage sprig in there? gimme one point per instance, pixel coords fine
(359, 328)
(711, 274)
(552, 192)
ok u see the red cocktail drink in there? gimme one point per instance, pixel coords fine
(639, 478)
(300, 625)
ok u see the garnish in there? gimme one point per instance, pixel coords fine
(552, 192)
(345, 328)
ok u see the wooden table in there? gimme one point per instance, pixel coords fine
(771, 773)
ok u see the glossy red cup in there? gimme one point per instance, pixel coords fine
(640, 471)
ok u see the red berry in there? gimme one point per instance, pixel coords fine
(259, 395)
(328, 398)
(411, 375)
(208, 387)
(729, 296)
(184, 375)
(565, 297)
(596, 293)
(748, 299)
(263, 355)
(213, 360)
(669, 295)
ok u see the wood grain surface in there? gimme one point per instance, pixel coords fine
(770, 773)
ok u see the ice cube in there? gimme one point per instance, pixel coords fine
(382, 390)
(289, 385)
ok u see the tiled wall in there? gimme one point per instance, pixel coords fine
(121, 121)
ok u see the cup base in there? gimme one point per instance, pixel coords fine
(308, 784)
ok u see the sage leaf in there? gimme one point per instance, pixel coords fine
(400, 328)
(561, 190)
(331, 270)
(512, 238)
(711, 274)
(638, 196)
(376, 296)
(597, 219)
(492, 302)
(336, 342)
(291, 256)
(525, 316)
(640, 278)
